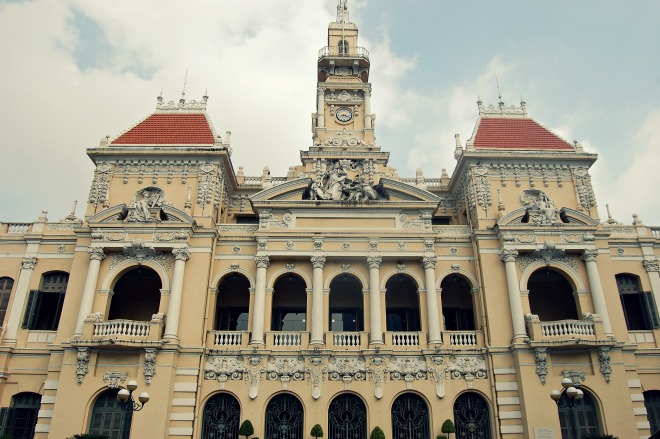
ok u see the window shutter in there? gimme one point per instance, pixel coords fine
(58, 311)
(6, 420)
(651, 308)
(30, 316)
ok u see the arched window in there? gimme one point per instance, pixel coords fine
(136, 295)
(19, 420)
(346, 306)
(457, 308)
(232, 303)
(347, 417)
(221, 417)
(652, 404)
(284, 418)
(108, 418)
(410, 417)
(289, 304)
(343, 47)
(472, 417)
(638, 306)
(6, 285)
(580, 420)
(44, 306)
(551, 296)
(401, 304)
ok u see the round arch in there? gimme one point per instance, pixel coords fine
(106, 417)
(552, 295)
(463, 273)
(339, 272)
(410, 273)
(411, 416)
(347, 416)
(115, 274)
(570, 275)
(284, 411)
(473, 412)
(221, 414)
(229, 271)
(585, 415)
(275, 276)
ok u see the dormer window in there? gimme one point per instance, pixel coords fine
(343, 47)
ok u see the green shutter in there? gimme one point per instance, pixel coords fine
(651, 309)
(30, 317)
(6, 420)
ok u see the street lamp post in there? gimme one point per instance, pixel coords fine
(573, 395)
(129, 405)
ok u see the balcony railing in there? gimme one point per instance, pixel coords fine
(404, 338)
(344, 339)
(291, 339)
(227, 339)
(590, 328)
(348, 52)
(461, 338)
(129, 328)
(122, 331)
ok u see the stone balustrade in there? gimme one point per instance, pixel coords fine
(227, 338)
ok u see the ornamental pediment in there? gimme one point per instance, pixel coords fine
(566, 215)
(123, 214)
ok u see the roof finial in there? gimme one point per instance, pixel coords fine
(523, 106)
(206, 95)
(183, 92)
(159, 99)
(499, 94)
(480, 105)
(342, 11)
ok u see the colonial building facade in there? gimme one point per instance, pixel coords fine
(341, 294)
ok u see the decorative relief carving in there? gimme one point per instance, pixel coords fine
(429, 262)
(589, 255)
(224, 368)
(407, 369)
(318, 243)
(401, 246)
(540, 208)
(604, 360)
(373, 244)
(286, 369)
(234, 266)
(114, 379)
(149, 365)
(467, 367)
(346, 369)
(541, 363)
(334, 183)
(181, 235)
(261, 243)
(318, 261)
(262, 261)
(651, 266)
(437, 369)
(206, 185)
(482, 186)
(526, 259)
(429, 244)
(96, 254)
(28, 263)
(577, 238)
(109, 236)
(421, 222)
(236, 249)
(228, 228)
(290, 267)
(83, 364)
(98, 193)
(162, 259)
(145, 201)
(523, 238)
(576, 377)
(254, 371)
(453, 231)
(315, 372)
(377, 372)
(507, 255)
(584, 189)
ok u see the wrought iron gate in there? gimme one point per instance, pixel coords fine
(221, 417)
(347, 418)
(284, 418)
(472, 417)
(410, 417)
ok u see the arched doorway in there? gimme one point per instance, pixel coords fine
(284, 418)
(108, 418)
(20, 419)
(401, 304)
(551, 296)
(136, 295)
(652, 404)
(347, 418)
(232, 304)
(579, 420)
(346, 305)
(457, 306)
(289, 304)
(221, 416)
(410, 417)
(472, 417)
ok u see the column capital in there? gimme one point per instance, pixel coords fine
(507, 255)
(429, 262)
(651, 266)
(262, 261)
(589, 255)
(96, 254)
(29, 263)
(181, 254)
(374, 261)
(318, 261)
(320, 90)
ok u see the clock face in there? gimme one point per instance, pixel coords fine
(344, 114)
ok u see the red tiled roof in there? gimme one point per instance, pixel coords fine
(168, 129)
(510, 133)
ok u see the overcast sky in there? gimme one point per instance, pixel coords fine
(74, 71)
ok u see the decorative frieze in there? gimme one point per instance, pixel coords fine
(162, 259)
(522, 238)
(651, 266)
(526, 259)
(286, 369)
(224, 368)
(467, 367)
(346, 369)
(407, 369)
(181, 235)
(108, 236)
(206, 184)
(577, 378)
(114, 379)
(585, 192)
(98, 193)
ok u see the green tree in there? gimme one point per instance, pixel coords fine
(448, 427)
(246, 429)
(377, 433)
(317, 431)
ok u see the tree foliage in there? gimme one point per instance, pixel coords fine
(246, 429)
(377, 433)
(317, 431)
(448, 426)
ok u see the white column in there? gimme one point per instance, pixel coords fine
(259, 311)
(376, 327)
(597, 295)
(318, 262)
(320, 107)
(653, 271)
(367, 107)
(515, 304)
(96, 255)
(181, 255)
(428, 262)
(20, 295)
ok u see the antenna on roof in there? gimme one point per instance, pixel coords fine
(499, 94)
(183, 93)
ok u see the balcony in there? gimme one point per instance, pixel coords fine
(587, 331)
(287, 340)
(227, 339)
(463, 339)
(122, 332)
(347, 340)
(405, 339)
(352, 52)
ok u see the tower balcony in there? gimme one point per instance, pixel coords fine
(359, 54)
